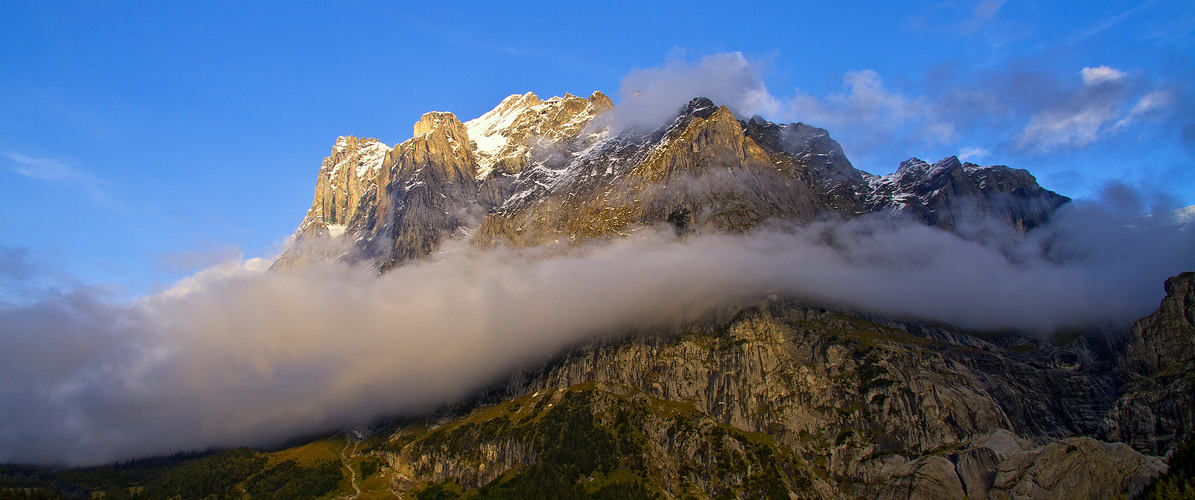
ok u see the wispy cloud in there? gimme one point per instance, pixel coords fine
(651, 96)
(1049, 114)
(1106, 103)
(1109, 22)
(15, 264)
(1149, 104)
(968, 154)
(57, 171)
(27, 277)
(872, 113)
(981, 20)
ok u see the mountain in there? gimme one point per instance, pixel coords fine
(537, 172)
(772, 397)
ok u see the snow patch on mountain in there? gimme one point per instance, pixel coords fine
(369, 158)
(503, 137)
(489, 132)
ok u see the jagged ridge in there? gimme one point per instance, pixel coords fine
(534, 172)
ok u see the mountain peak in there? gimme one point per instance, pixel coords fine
(600, 101)
(504, 136)
(437, 119)
(945, 165)
(701, 107)
(912, 167)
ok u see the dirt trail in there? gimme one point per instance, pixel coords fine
(348, 440)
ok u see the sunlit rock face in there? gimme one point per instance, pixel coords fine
(535, 172)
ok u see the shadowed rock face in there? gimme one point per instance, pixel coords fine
(534, 172)
(1157, 410)
(950, 194)
(834, 404)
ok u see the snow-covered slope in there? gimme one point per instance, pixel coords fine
(503, 136)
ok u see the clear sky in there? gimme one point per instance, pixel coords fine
(141, 142)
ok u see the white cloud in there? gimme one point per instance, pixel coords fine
(46, 169)
(1066, 127)
(650, 97)
(986, 10)
(967, 154)
(868, 114)
(229, 269)
(1101, 74)
(1148, 104)
(1094, 111)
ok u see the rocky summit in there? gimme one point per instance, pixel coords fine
(537, 172)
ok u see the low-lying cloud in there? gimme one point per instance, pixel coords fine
(236, 355)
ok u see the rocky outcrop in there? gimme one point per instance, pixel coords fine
(1001, 465)
(837, 405)
(349, 180)
(957, 196)
(349, 172)
(1075, 468)
(816, 159)
(397, 204)
(1157, 410)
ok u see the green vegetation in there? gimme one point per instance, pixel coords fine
(590, 444)
(371, 466)
(8, 492)
(290, 481)
(1178, 482)
(438, 491)
(184, 476)
(574, 446)
(26, 485)
(233, 475)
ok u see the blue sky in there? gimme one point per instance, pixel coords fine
(140, 143)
